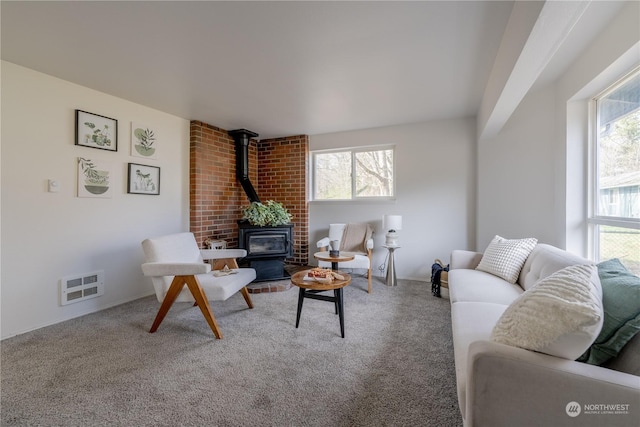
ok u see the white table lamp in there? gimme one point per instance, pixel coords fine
(392, 223)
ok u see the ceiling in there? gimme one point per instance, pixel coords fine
(276, 68)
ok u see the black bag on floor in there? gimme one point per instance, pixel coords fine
(438, 270)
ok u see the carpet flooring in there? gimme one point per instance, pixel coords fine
(394, 367)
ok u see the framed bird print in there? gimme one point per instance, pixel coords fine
(143, 179)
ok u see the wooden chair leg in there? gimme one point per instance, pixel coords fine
(247, 298)
(176, 286)
(203, 303)
(370, 256)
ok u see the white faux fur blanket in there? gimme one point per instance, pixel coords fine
(564, 302)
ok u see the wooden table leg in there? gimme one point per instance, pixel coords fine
(300, 301)
(340, 310)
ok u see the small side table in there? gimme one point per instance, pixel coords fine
(310, 289)
(391, 268)
(326, 256)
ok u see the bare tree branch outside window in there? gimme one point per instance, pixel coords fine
(347, 175)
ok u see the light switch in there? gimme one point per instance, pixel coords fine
(54, 186)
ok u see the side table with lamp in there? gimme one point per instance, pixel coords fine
(391, 223)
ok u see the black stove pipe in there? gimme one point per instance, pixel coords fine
(242, 137)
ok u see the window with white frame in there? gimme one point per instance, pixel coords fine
(614, 221)
(352, 174)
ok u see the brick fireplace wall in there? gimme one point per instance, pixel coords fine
(282, 176)
(277, 168)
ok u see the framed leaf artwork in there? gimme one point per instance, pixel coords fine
(143, 141)
(96, 131)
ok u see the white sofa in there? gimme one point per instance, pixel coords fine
(503, 385)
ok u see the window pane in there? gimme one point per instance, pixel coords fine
(332, 177)
(619, 151)
(617, 175)
(621, 243)
(374, 173)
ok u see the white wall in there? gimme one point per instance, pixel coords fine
(532, 176)
(435, 173)
(46, 236)
(517, 174)
(613, 54)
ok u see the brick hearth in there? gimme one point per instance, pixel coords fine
(277, 285)
(265, 287)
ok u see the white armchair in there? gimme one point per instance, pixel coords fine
(175, 260)
(355, 238)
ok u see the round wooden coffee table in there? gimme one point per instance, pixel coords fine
(311, 289)
(334, 260)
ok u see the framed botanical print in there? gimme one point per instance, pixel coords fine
(143, 179)
(143, 141)
(96, 131)
(95, 178)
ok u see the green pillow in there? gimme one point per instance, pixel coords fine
(621, 302)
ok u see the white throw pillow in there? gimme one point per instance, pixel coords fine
(561, 315)
(505, 257)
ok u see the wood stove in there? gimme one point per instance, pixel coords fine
(267, 248)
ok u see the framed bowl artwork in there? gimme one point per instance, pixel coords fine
(95, 178)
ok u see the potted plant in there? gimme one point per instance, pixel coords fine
(268, 214)
(100, 136)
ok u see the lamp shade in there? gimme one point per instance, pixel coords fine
(392, 222)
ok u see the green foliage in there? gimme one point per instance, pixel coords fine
(622, 243)
(145, 137)
(89, 170)
(266, 214)
(100, 136)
